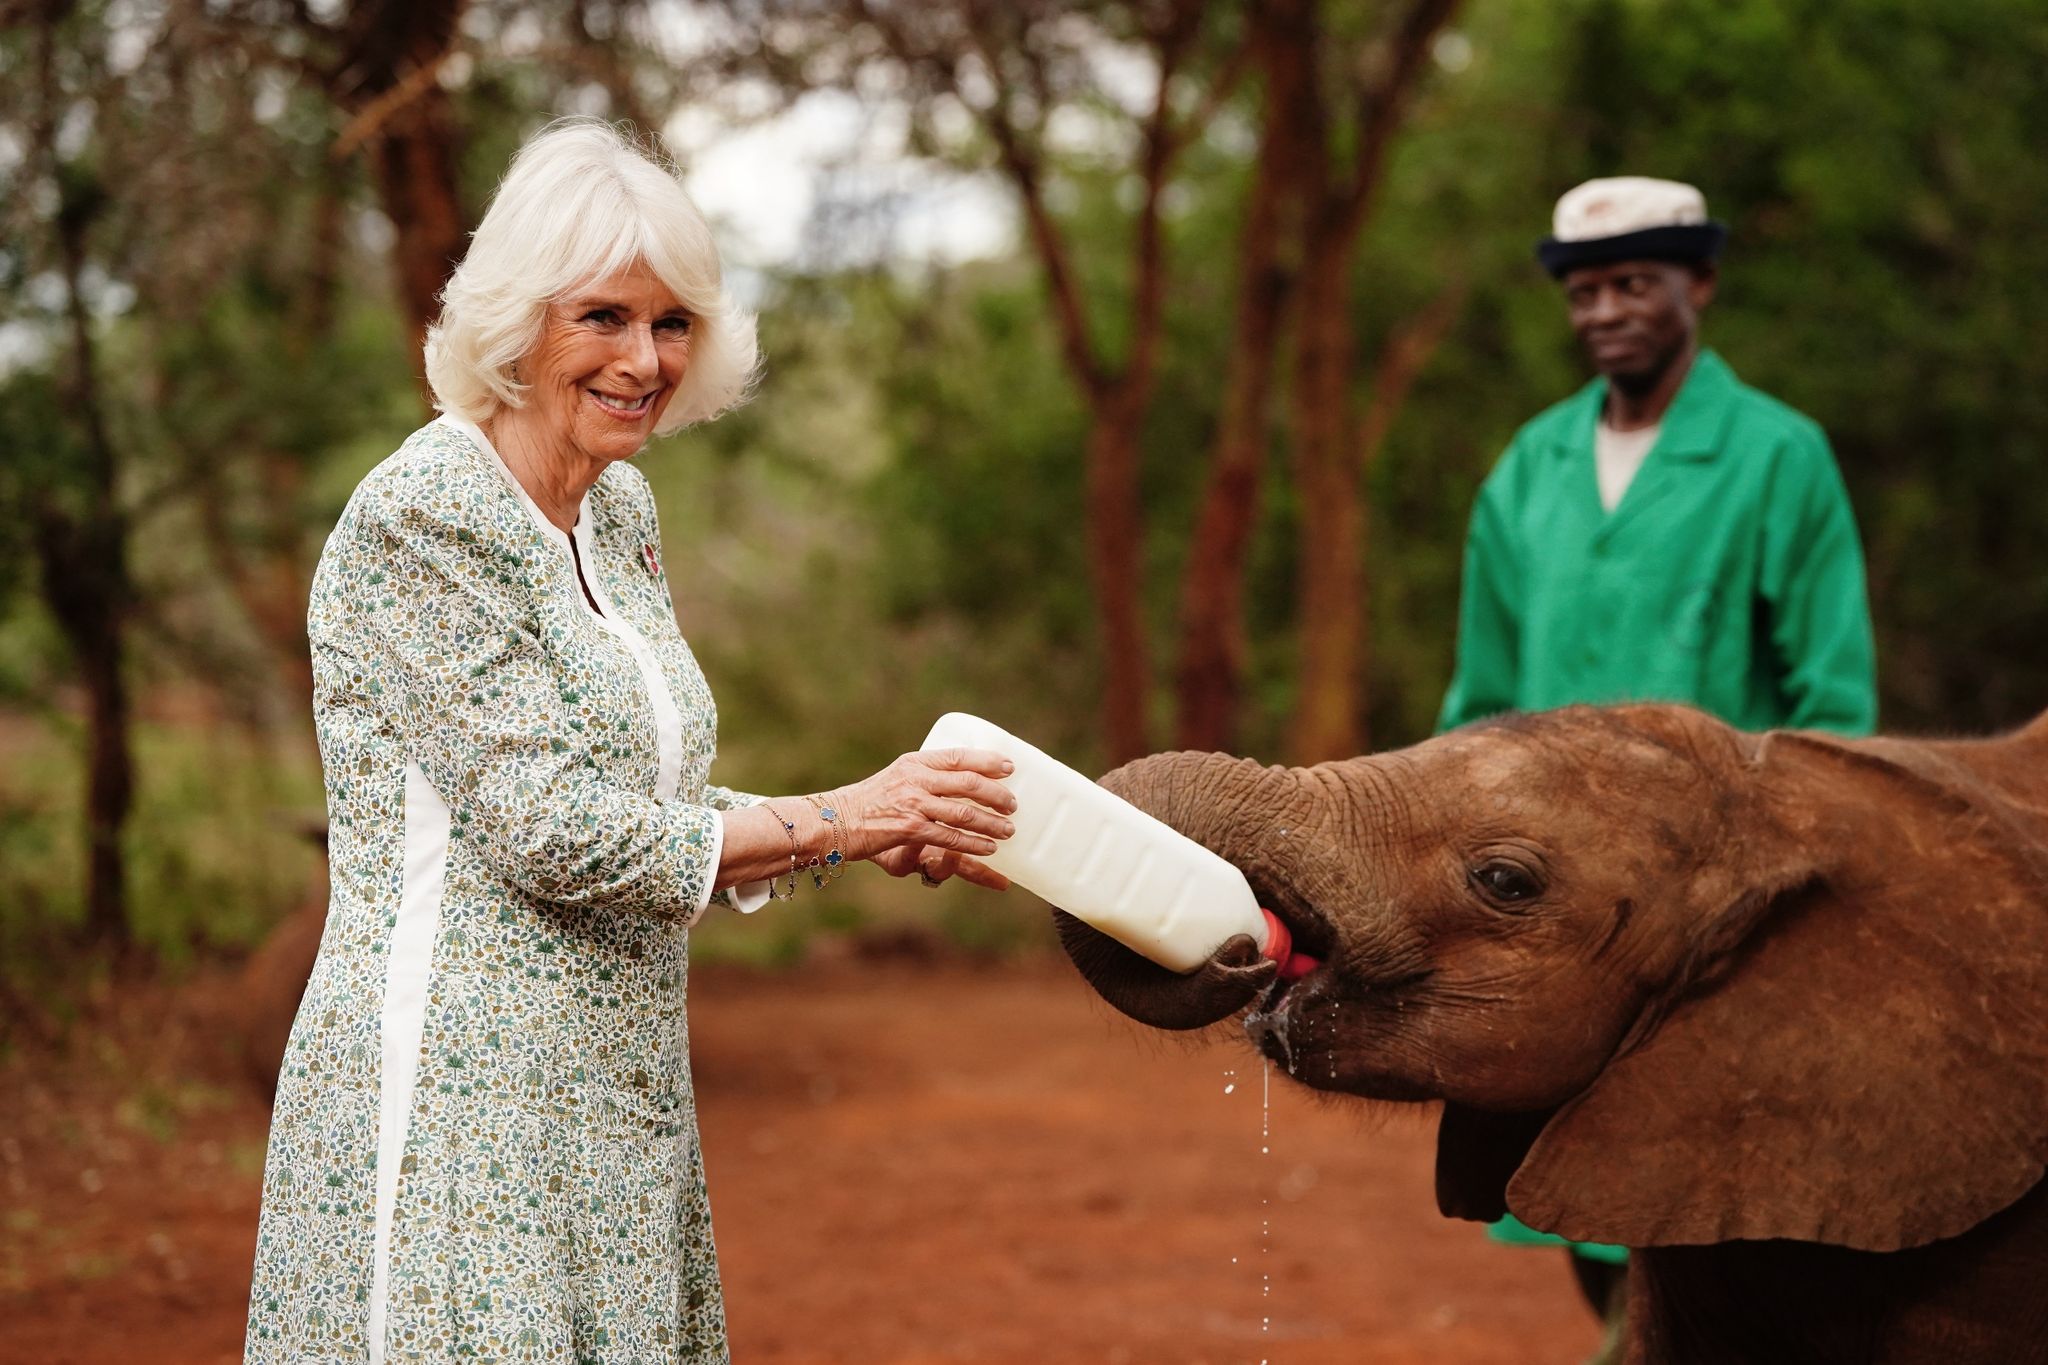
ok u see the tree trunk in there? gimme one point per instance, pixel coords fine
(1210, 673)
(319, 287)
(1209, 680)
(415, 163)
(110, 788)
(1334, 597)
(1116, 560)
(416, 183)
(387, 78)
(1332, 593)
(82, 547)
(1330, 589)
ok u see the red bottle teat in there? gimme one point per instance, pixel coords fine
(1279, 947)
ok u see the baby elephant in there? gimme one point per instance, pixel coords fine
(1770, 1009)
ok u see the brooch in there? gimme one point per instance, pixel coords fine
(653, 564)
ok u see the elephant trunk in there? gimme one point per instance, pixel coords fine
(1234, 806)
(1237, 808)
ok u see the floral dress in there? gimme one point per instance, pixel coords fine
(485, 1143)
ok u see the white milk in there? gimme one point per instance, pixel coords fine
(1099, 858)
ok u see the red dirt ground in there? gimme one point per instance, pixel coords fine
(908, 1164)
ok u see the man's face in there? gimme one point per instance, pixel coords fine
(1635, 317)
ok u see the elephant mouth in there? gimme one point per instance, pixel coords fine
(1269, 1023)
(1272, 1022)
(1313, 936)
(1324, 1025)
(1272, 1006)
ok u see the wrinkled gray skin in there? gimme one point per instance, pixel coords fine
(1772, 1010)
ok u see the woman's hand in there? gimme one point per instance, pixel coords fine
(936, 865)
(934, 810)
(934, 813)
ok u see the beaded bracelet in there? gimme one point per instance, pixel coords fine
(828, 868)
(788, 828)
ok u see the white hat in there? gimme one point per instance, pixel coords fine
(1629, 217)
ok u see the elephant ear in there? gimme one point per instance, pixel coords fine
(1860, 1060)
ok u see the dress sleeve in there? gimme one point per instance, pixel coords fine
(1489, 614)
(442, 649)
(745, 897)
(1813, 589)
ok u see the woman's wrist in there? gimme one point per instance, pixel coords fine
(780, 837)
(828, 864)
(787, 889)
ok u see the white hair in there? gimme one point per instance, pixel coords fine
(581, 201)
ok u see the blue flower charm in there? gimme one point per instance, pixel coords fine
(832, 864)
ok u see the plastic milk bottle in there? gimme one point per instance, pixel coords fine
(1101, 859)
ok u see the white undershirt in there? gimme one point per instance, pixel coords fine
(1617, 455)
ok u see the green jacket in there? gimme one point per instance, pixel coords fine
(1728, 577)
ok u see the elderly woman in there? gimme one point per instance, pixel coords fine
(485, 1144)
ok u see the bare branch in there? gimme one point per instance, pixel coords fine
(1405, 356)
(1036, 69)
(1026, 171)
(1223, 86)
(1160, 150)
(1385, 102)
(369, 122)
(935, 65)
(259, 42)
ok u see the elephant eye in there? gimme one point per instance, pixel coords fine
(1506, 883)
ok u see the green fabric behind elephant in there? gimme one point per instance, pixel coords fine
(1515, 1232)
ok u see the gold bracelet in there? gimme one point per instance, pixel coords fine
(788, 828)
(828, 868)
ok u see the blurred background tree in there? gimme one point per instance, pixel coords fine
(1101, 103)
(204, 206)
(1268, 316)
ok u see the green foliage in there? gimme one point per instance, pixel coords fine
(217, 848)
(38, 445)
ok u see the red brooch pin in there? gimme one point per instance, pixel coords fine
(653, 564)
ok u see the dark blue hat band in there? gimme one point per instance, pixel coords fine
(1692, 242)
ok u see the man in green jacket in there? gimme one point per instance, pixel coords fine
(1667, 533)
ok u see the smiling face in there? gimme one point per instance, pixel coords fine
(606, 366)
(1635, 318)
(1492, 911)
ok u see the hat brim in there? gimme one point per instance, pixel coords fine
(1691, 242)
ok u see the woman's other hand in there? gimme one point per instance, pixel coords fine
(938, 810)
(935, 865)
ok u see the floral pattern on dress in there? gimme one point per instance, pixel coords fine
(551, 1202)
